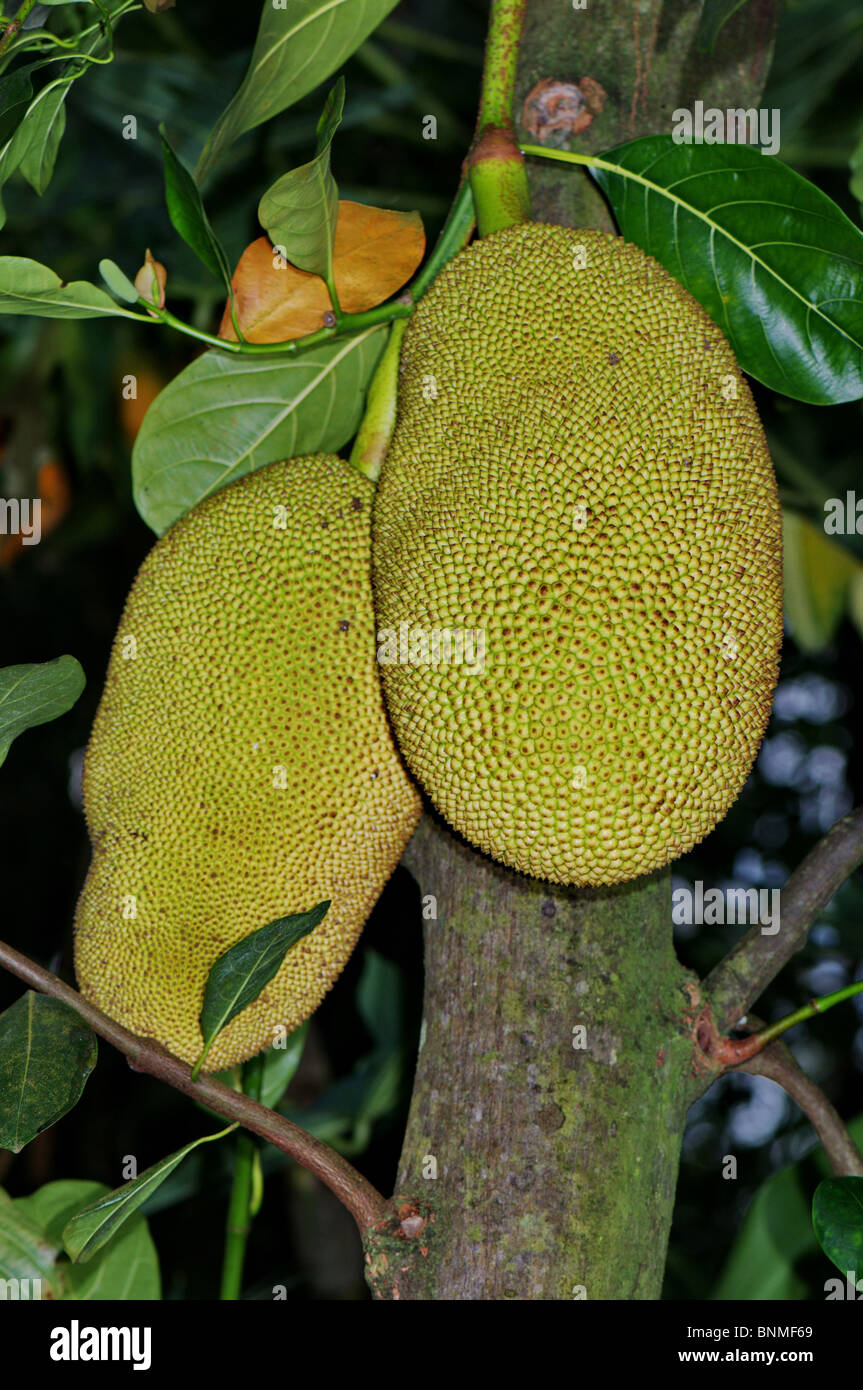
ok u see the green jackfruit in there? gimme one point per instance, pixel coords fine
(240, 767)
(577, 558)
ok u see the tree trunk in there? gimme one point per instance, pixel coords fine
(555, 1066)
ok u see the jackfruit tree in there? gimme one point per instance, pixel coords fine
(472, 565)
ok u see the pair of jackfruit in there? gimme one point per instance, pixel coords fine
(576, 621)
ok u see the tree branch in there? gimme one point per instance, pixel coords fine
(364, 1202)
(734, 985)
(777, 1063)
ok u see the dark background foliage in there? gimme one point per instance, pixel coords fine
(61, 406)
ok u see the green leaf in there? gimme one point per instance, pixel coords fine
(856, 181)
(34, 145)
(16, 91)
(777, 1234)
(347, 1113)
(188, 217)
(118, 283)
(241, 972)
(35, 694)
(714, 16)
(777, 1231)
(837, 1215)
(280, 1064)
(26, 1252)
(380, 998)
(87, 1232)
(818, 573)
(296, 49)
(226, 415)
(26, 287)
(46, 1055)
(52, 1205)
(127, 1270)
(776, 264)
(300, 211)
(44, 125)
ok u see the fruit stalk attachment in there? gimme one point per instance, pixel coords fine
(495, 165)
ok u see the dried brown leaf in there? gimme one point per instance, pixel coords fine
(376, 251)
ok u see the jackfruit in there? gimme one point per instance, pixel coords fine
(240, 767)
(576, 558)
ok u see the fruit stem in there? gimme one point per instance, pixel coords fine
(455, 235)
(239, 1219)
(501, 59)
(495, 165)
(376, 430)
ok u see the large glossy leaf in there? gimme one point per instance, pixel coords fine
(241, 972)
(91, 1228)
(225, 416)
(776, 264)
(300, 211)
(837, 1215)
(46, 1055)
(35, 694)
(298, 47)
(27, 287)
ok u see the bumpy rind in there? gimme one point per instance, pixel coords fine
(241, 766)
(578, 474)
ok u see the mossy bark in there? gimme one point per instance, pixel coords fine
(543, 1160)
(644, 56)
(547, 1111)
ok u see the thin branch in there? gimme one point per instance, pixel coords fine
(15, 24)
(747, 970)
(777, 1064)
(501, 60)
(363, 1201)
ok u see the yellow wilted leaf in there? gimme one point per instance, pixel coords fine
(375, 252)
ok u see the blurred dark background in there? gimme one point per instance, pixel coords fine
(66, 435)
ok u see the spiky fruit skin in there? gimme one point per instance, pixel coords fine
(579, 474)
(241, 766)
